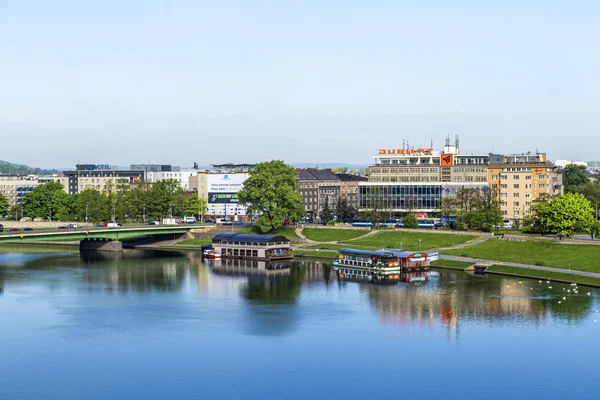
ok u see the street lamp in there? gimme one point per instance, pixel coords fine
(86, 214)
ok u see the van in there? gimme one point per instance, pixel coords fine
(188, 220)
(224, 221)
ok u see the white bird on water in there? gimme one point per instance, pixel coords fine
(549, 287)
(589, 294)
(564, 298)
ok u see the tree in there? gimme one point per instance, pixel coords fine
(48, 199)
(4, 206)
(270, 192)
(326, 215)
(537, 221)
(91, 204)
(574, 176)
(195, 206)
(340, 170)
(411, 222)
(345, 212)
(570, 213)
(448, 208)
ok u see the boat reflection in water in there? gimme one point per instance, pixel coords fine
(413, 278)
(239, 267)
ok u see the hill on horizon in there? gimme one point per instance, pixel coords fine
(11, 168)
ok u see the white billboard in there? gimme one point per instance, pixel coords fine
(226, 183)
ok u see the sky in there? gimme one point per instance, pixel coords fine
(177, 81)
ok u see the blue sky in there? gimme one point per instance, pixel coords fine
(305, 81)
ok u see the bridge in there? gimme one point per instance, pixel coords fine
(96, 233)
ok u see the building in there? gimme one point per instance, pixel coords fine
(147, 168)
(349, 188)
(426, 165)
(316, 185)
(184, 177)
(220, 187)
(99, 177)
(15, 186)
(407, 179)
(520, 179)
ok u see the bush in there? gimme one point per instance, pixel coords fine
(539, 263)
(464, 255)
(411, 222)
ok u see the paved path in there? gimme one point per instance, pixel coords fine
(511, 264)
(466, 244)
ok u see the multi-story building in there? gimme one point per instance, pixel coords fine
(349, 187)
(407, 180)
(220, 187)
(147, 168)
(181, 176)
(15, 186)
(520, 179)
(426, 165)
(99, 177)
(315, 186)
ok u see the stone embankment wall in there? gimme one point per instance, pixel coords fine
(100, 245)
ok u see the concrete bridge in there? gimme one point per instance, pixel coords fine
(97, 235)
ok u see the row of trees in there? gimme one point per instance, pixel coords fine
(473, 209)
(344, 212)
(121, 202)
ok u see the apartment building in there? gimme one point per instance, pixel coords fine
(520, 179)
(15, 186)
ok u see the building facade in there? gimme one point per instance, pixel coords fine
(15, 186)
(520, 179)
(184, 177)
(99, 177)
(316, 185)
(220, 187)
(349, 188)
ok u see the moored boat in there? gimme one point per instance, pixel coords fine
(373, 266)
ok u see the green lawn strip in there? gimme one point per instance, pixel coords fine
(461, 265)
(553, 276)
(326, 246)
(332, 235)
(193, 242)
(315, 254)
(285, 231)
(410, 240)
(543, 252)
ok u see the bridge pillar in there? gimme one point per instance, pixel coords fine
(100, 245)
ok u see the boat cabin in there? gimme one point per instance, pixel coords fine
(251, 247)
(414, 260)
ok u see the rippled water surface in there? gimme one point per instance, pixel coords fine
(164, 325)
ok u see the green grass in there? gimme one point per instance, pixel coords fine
(332, 235)
(543, 252)
(534, 273)
(461, 265)
(325, 246)
(285, 231)
(410, 240)
(193, 242)
(315, 254)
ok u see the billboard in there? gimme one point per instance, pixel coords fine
(222, 198)
(225, 183)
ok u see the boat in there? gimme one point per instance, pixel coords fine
(379, 266)
(210, 255)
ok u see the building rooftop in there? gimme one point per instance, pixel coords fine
(242, 237)
(307, 174)
(351, 177)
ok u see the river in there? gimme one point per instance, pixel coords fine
(165, 325)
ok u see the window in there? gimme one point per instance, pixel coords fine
(516, 186)
(527, 195)
(542, 177)
(503, 185)
(494, 186)
(528, 203)
(504, 204)
(515, 194)
(494, 177)
(503, 195)
(543, 186)
(515, 176)
(504, 212)
(528, 186)
(515, 204)
(528, 177)
(503, 176)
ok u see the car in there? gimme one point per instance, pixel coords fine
(152, 223)
(27, 229)
(14, 230)
(68, 226)
(101, 226)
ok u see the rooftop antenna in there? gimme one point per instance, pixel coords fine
(403, 144)
(431, 146)
(448, 140)
(457, 142)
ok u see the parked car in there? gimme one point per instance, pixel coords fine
(101, 226)
(153, 223)
(188, 220)
(27, 229)
(14, 230)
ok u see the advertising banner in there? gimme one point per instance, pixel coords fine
(221, 198)
(226, 183)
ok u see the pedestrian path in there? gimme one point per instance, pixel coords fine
(518, 265)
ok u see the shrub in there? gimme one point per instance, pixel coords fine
(539, 263)
(411, 222)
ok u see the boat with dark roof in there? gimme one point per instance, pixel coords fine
(252, 247)
(374, 266)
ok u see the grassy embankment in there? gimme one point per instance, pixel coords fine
(288, 232)
(534, 273)
(332, 235)
(409, 240)
(459, 265)
(546, 253)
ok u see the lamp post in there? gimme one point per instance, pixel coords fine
(419, 244)
(50, 208)
(86, 214)
(144, 214)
